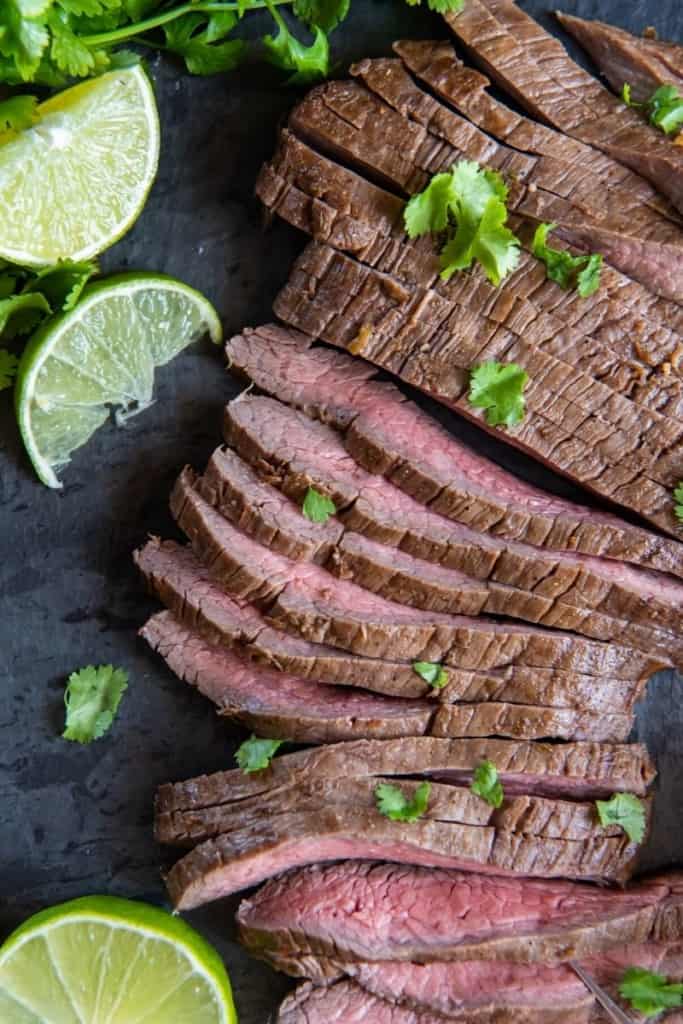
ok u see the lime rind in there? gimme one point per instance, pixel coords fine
(74, 183)
(102, 355)
(164, 969)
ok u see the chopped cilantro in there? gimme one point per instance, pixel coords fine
(8, 368)
(255, 754)
(582, 272)
(486, 784)
(92, 698)
(499, 389)
(626, 810)
(666, 109)
(678, 498)
(468, 203)
(649, 993)
(432, 672)
(394, 804)
(317, 507)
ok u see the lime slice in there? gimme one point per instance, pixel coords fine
(100, 354)
(76, 181)
(104, 960)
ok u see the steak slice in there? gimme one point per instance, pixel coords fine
(543, 190)
(303, 598)
(305, 922)
(617, 212)
(621, 57)
(534, 66)
(269, 845)
(519, 721)
(580, 771)
(188, 590)
(522, 581)
(279, 705)
(410, 331)
(619, 337)
(388, 434)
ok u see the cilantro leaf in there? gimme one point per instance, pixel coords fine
(486, 784)
(255, 754)
(432, 672)
(324, 14)
(626, 810)
(649, 993)
(67, 50)
(678, 498)
(92, 698)
(23, 35)
(626, 95)
(392, 802)
(564, 268)
(8, 368)
(88, 8)
(62, 284)
(18, 113)
(469, 203)
(666, 109)
(19, 314)
(499, 389)
(446, 6)
(308, 63)
(318, 507)
(201, 40)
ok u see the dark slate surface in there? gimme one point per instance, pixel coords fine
(78, 820)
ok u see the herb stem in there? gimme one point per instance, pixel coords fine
(128, 32)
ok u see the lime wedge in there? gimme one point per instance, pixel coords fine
(100, 354)
(76, 181)
(104, 960)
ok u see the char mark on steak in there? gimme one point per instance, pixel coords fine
(390, 435)
(300, 922)
(186, 587)
(645, 64)
(536, 69)
(575, 426)
(597, 203)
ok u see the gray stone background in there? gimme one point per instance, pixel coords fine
(77, 820)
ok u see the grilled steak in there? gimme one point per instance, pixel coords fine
(188, 590)
(621, 337)
(302, 924)
(576, 426)
(621, 57)
(536, 69)
(581, 771)
(388, 434)
(276, 704)
(303, 598)
(516, 579)
(617, 212)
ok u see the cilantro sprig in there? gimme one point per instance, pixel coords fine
(678, 499)
(580, 272)
(625, 810)
(394, 804)
(648, 992)
(498, 388)
(317, 506)
(664, 108)
(256, 754)
(92, 698)
(468, 204)
(486, 784)
(433, 673)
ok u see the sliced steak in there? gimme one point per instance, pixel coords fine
(269, 845)
(520, 580)
(619, 337)
(571, 424)
(343, 1003)
(303, 598)
(534, 66)
(279, 705)
(520, 721)
(613, 211)
(580, 771)
(186, 587)
(621, 57)
(388, 434)
(543, 191)
(304, 923)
